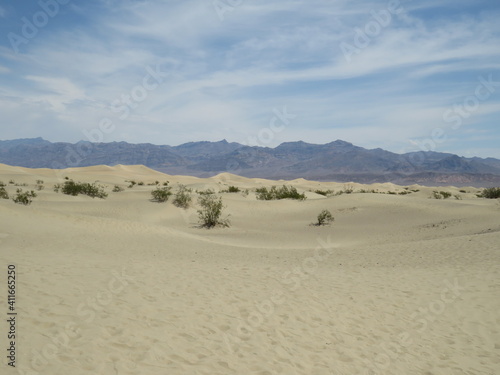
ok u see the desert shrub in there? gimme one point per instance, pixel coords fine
(445, 194)
(66, 178)
(392, 193)
(440, 194)
(366, 191)
(348, 189)
(325, 217)
(182, 197)
(211, 211)
(166, 183)
(405, 192)
(140, 183)
(463, 191)
(231, 189)
(39, 185)
(71, 187)
(25, 197)
(3, 193)
(132, 184)
(324, 192)
(205, 192)
(12, 182)
(458, 197)
(490, 193)
(57, 187)
(162, 194)
(436, 195)
(117, 189)
(283, 192)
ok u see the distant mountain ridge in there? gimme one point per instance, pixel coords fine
(335, 161)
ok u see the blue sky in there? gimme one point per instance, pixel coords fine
(404, 76)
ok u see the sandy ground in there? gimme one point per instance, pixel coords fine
(398, 284)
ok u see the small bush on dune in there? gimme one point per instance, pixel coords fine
(325, 193)
(441, 195)
(182, 197)
(71, 187)
(275, 193)
(162, 194)
(490, 193)
(205, 192)
(3, 193)
(211, 211)
(324, 218)
(231, 189)
(117, 189)
(39, 185)
(25, 197)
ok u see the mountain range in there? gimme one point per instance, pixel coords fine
(335, 161)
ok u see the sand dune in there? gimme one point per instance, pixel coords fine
(398, 284)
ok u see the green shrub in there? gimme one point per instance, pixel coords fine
(140, 183)
(231, 189)
(57, 187)
(211, 211)
(284, 192)
(24, 197)
(3, 193)
(441, 194)
(463, 191)
(325, 217)
(205, 192)
(490, 193)
(445, 194)
(182, 197)
(117, 189)
(39, 185)
(71, 187)
(348, 189)
(324, 192)
(162, 194)
(436, 195)
(12, 182)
